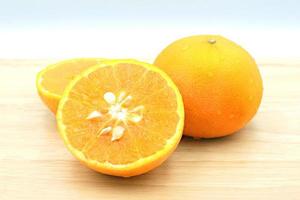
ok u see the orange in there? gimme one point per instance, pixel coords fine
(121, 118)
(52, 80)
(219, 81)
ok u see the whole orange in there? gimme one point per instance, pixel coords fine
(219, 81)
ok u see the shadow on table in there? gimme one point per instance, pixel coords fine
(189, 152)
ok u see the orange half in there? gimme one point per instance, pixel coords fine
(52, 80)
(121, 118)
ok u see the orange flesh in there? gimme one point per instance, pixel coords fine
(144, 138)
(56, 79)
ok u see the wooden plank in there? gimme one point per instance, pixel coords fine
(262, 161)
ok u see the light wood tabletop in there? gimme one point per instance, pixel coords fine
(262, 161)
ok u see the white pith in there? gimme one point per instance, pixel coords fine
(118, 111)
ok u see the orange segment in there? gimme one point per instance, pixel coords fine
(52, 80)
(121, 118)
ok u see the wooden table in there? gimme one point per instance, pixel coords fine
(260, 162)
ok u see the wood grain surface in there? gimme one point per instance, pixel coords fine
(262, 161)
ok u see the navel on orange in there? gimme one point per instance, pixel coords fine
(52, 80)
(219, 81)
(121, 118)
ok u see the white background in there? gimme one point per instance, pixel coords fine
(140, 29)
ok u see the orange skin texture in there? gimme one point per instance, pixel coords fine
(219, 81)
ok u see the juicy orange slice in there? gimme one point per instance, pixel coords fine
(52, 80)
(121, 118)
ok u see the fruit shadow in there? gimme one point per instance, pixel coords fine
(190, 154)
(123, 185)
(225, 140)
(223, 149)
(48, 124)
(166, 173)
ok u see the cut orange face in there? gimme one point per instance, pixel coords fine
(52, 80)
(121, 118)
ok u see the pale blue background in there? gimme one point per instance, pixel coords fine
(43, 13)
(62, 28)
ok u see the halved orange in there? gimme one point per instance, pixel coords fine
(121, 117)
(52, 80)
